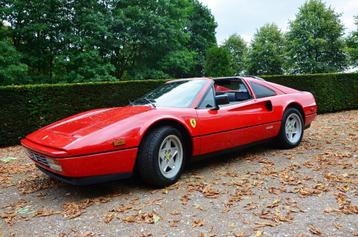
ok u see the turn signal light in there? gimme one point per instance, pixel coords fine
(54, 165)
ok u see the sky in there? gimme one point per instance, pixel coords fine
(244, 17)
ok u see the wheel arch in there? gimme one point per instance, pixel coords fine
(297, 106)
(174, 123)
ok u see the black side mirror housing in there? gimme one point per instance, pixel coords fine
(222, 100)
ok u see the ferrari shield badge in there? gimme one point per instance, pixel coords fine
(193, 123)
(119, 142)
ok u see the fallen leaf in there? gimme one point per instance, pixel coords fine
(8, 159)
(197, 223)
(109, 217)
(314, 230)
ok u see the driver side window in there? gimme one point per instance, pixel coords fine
(208, 101)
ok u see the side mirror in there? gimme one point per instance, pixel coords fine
(222, 100)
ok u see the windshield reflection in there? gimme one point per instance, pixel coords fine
(179, 94)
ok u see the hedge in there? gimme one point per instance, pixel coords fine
(28, 107)
(333, 92)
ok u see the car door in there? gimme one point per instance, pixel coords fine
(234, 124)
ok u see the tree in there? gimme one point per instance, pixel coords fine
(179, 64)
(266, 53)
(218, 63)
(131, 39)
(238, 49)
(37, 30)
(201, 27)
(83, 56)
(83, 66)
(352, 45)
(143, 33)
(11, 69)
(314, 41)
(165, 38)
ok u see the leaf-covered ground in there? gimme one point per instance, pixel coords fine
(308, 191)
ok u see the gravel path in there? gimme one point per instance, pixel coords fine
(308, 191)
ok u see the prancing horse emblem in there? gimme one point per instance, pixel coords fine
(193, 123)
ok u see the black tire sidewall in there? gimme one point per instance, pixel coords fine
(167, 133)
(149, 166)
(283, 138)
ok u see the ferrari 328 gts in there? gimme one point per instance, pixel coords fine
(156, 135)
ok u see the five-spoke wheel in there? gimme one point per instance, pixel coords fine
(170, 156)
(292, 128)
(162, 156)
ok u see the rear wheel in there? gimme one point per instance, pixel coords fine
(292, 128)
(162, 156)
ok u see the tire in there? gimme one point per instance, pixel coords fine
(287, 139)
(157, 163)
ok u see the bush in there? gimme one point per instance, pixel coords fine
(333, 92)
(29, 107)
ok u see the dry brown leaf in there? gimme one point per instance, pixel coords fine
(45, 212)
(314, 230)
(173, 223)
(185, 199)
(197, 223)
(240, 235)
(142, 217)
(274, 204)
(72, 210)
(337, 225)
(109, 217)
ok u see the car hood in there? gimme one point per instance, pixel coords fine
(65, 133)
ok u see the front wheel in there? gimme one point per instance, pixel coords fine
(292, 128)
(162, 156)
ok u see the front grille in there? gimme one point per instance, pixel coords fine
(37, 157)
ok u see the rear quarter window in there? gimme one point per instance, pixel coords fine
(261, 91)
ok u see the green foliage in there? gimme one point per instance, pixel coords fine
(333, 92)
(352, 46)
(83, 66)
(11, 68)
(219, 62)
(179, 64)
(28, 107)
(143, 33)
(127, 38)
(266, 54)
(37, 29)
(314, 41)
(201, 28)
(238, 49)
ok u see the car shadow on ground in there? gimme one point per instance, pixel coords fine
(135, 184)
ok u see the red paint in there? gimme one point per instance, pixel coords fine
(83, 143)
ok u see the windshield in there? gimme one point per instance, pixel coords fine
(179, 94)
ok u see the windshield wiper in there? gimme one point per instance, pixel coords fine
(150, 101)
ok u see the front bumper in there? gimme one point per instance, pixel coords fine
(85, 180)
(87, 169)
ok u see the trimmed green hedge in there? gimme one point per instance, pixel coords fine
(333, 92)
(29, 107)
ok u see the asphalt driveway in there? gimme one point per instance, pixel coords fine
(308, 191)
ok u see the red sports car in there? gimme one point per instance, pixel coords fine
(158, 133)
